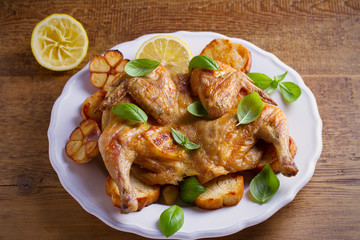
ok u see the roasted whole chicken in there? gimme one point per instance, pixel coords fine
(150, 152)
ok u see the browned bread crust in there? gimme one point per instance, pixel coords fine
(226, 190)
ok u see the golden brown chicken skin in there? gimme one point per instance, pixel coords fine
(153, 156)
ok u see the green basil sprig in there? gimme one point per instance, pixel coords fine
(197, 109)
(190, 188)
(289, 90)
(171, 220)
(264, 185)
(205, 62)
(183, 140)
(130, 112)
(140, 67)
(249, 108)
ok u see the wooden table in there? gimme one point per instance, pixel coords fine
(320, 39)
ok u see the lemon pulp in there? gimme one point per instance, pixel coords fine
(59, 42)
(170, 51)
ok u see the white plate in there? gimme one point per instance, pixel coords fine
(86, 182)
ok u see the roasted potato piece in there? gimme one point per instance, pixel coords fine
(82, 145)
(106, 69)
(226, 190)
(145, 194)
(90, 106)
(170, 193)
(227, 52)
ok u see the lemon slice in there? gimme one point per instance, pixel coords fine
(171, 52)
(59, 42)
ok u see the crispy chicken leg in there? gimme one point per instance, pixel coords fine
(118, 156)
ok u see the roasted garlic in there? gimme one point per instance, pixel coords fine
(107, 69)
(83, 142)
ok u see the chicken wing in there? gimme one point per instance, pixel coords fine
(219, 91)
(155, 93)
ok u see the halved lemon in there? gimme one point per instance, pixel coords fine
(170, 51)
(59, 42)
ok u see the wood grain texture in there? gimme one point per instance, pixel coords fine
(318, 38)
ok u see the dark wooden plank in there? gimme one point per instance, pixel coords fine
(338, 100)
(327, 26)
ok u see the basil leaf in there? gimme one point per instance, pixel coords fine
(264, 185)
(130, 112)
(290, 91)
(178, 137)
(260, 80)
(140, 67)
(191, 145)
(273, 86)
(190, 188)
(249, 108)
(281, 77)
(171, 220)
(205, 62)
(183, 140)
(197, 109)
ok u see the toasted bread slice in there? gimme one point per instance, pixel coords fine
(227, 52)
(145, 194)
(226, 190)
